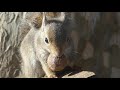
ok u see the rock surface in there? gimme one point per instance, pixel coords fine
(82, 74)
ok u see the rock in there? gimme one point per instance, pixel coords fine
(82, 74)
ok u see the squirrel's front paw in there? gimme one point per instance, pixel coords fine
(52, 76)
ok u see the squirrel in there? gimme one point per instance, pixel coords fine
(50, 45)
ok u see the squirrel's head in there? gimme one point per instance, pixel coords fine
(56, 40)
(54, 31)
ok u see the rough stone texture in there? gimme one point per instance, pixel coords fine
(11, 36)
(83, 74)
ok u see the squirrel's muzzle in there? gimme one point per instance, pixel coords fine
(57, 63)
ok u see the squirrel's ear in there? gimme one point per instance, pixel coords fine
(59, 16)
(44, 20)
(62, 16)
(34, 19)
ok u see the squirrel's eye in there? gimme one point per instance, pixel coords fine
(67, 39)
(46, 40)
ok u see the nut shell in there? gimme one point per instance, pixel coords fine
(56, 64)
